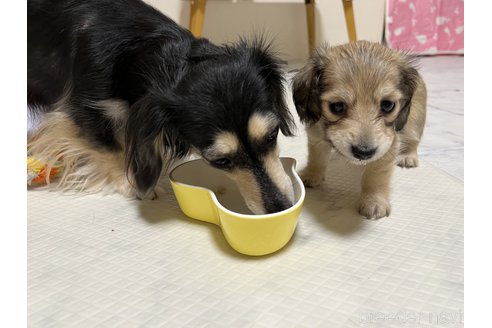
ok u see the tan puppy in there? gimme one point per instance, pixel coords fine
(368, 103)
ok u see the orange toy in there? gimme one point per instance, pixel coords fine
(39, 173)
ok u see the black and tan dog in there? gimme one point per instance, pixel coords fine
(123, 91)
(368, 103)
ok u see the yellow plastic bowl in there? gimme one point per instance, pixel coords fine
(207, 194)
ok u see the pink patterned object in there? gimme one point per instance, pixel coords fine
(425, 26)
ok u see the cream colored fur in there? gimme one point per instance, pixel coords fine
(362, 74)
(57, 142)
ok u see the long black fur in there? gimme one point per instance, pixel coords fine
(179, 88)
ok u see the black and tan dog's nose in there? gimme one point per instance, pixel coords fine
(277, 204)
(363, 152)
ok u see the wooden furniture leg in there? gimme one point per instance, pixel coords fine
(197, 15)
(311, 26)
(349, 19)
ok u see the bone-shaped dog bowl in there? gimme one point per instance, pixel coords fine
(207, 194)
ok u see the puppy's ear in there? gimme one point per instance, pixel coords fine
(270, 68)
(307, 88)
(150, 137)
(408, 84)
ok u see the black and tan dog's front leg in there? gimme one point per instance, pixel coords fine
(375, 188)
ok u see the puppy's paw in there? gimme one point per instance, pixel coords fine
(373, 206)
(407, 161)
(310, 178)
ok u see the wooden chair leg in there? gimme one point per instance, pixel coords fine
(311, 26)
(349, 19)
(197, 16)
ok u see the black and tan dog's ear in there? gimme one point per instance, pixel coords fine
(150, 136)
(408, 84)
(307, 87)
(270, 66)
(202, 49)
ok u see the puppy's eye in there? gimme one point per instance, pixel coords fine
(387, 106)
(272, 137)
(222, 163)
(338, 108)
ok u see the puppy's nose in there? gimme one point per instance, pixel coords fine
(363, 152)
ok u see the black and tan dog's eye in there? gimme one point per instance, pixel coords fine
(222, 163)
(338, 108)
(272, 137)
(387, 106)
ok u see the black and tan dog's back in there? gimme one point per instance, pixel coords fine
(123, 91)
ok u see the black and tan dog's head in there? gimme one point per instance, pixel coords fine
(229, 107)
(361, 94)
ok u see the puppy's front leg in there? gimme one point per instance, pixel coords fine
(318, 154)
(408, 157)
(374, 200)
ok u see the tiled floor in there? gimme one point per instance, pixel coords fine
(443, 141)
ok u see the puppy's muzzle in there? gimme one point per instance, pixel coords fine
(363, 152)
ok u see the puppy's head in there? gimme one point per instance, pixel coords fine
(360, 93)
(229, 107)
